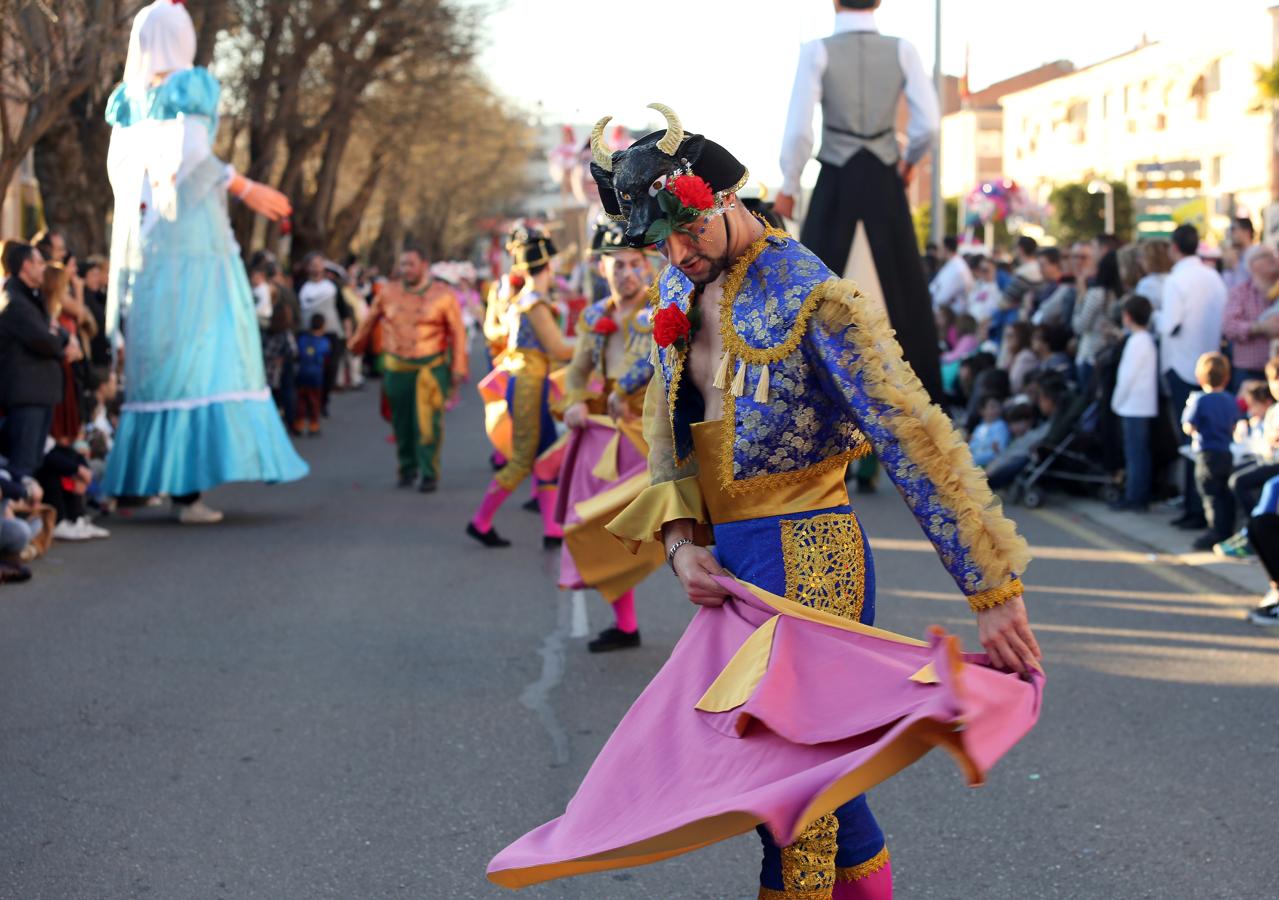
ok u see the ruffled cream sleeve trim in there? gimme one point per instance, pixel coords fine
(660, 503)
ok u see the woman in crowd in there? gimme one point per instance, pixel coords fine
(1094, 322)
(1017, 356)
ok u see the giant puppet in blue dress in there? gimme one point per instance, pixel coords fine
(197, 408)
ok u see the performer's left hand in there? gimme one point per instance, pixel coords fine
(1005, 632)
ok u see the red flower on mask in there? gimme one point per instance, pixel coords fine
(604, 325)
(670, 325)
(693, 192)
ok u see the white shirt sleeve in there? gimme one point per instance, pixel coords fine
(921, 99)
(1170, 307)
(797, 140)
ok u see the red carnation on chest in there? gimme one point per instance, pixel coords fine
(670, 325)
(604, 325)
(693, 192)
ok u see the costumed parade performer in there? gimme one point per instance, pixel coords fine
(534, 341)
(781, 705)
(424, 360)
(605, 463)
(858, 220)
(198, 411)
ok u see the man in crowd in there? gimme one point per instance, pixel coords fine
(953, 281)
(1194, 300)
(1242, 238)
(31, 352)
(1055, 301)
(858, 209)
(1027, 276)
(425, 360)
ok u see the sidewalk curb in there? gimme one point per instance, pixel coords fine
(1151, 531)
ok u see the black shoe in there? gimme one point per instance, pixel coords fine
(13, 573)
(614, 639)
(406, 479)
(1195, 523)
(550, 542)
(531, 505)
(427, 485)
(488, 538)
(1206, 541)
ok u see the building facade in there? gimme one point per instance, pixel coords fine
(1180, 122)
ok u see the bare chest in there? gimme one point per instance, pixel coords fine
(708, 346)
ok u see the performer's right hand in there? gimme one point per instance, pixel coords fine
(784, 206)
(262, 199)
(695, 567)
(577, 415)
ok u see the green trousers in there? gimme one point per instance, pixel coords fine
(416, 390)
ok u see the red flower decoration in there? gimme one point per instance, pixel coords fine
(670, 325)
(693, 192)
(604, 325)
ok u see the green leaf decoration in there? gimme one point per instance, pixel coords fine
(660, 230)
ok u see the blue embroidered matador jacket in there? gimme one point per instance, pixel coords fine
(812, 377)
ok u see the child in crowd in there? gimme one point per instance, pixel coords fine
(1263, 534)
(280, 354)
(1209, 418)
(1260, 433)
(992, 436)
(1136, 401)
(313, 353)
(965, 342)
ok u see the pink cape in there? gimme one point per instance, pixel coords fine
(771, 712)
(595, 459)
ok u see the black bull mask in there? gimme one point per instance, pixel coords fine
(630, 180)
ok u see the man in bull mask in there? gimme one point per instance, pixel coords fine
(771, 375)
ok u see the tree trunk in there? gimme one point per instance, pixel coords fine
(71, 166)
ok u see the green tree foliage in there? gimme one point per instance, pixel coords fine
(1080, 216)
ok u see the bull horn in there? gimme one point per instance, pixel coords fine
(603, 158)
(669, 144)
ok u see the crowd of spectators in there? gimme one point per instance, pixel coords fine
(1143, 369)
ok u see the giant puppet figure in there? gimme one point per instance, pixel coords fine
(858, 220)
(781, 705)
(197, 408)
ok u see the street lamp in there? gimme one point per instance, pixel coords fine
(1097, 186)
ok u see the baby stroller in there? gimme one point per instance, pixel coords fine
(1072, 462)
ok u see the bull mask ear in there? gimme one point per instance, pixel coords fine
(608, 194)
(692, 148)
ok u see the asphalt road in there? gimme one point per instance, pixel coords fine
(335, 694)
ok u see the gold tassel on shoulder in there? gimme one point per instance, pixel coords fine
(721, 374)
(739, 380)
(761, 389)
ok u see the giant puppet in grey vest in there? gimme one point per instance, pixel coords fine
(858, 220)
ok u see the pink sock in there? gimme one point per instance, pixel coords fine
(876, 886)
(546, 495)
(494, 496)
(624, 612)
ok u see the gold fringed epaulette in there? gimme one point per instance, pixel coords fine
(930, 440)
(837, 303)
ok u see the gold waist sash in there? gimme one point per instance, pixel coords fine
(820, 490)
